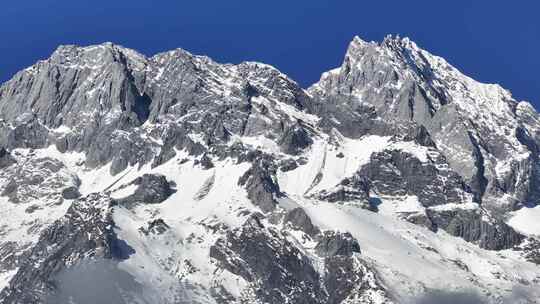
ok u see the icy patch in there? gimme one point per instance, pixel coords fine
(526, 220)
(392, 205)
(454, 206)
(124, 192)
(261, 142)
(5, 277)
(63, 129)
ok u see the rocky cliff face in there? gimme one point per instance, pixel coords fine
(201, 182)
(485, 135)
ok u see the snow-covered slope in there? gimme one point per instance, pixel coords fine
(176, 179)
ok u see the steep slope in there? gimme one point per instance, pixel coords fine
(109, 102)
(487, 137)
(177, 179)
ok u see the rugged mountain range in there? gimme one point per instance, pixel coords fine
(177, 179)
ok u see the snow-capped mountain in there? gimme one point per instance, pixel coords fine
(177, 179)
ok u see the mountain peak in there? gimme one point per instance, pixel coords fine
(233, 162)
(398, 42)
(98, 52)
(356, 47)
(358, 41)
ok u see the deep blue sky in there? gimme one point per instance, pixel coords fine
(492, 41)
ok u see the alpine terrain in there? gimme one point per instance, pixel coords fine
(178, 179)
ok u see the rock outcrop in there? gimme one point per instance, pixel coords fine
(151, 189)
(273, 180)
(85, 232)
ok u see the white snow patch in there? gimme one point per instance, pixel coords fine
(526, 220)
(420, 152)
(5, 277)
(331, 163)
(407, 204)
(454, 206)
(399, 249)
(261, 142)
(124, 192)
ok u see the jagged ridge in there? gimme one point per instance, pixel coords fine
(219, 159)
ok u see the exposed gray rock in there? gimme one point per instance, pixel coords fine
(395, 88)
(349, 280)
(399, 173)
(13, 254)
(10, 190)
(32, 208)
(334, 243)
(299, 219)
(157, 226)
(85, 231)
(260, 185)
(151, 189)
(102, 94)
(27, 132)
(295, 139)
(6, 159)
(280, 272)
(206, 162)
(476, 226)
(530, 250)
(36, 179)
(205, 188)
(355, 188)
(121, 108)
(288, 165)
(71, 193)
(419, 218)
(263, 256)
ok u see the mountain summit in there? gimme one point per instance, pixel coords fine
(177, 179)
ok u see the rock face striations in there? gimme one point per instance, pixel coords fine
(202, 182)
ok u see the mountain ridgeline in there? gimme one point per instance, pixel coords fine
(193, 181)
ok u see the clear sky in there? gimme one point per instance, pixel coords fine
(495, 41)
